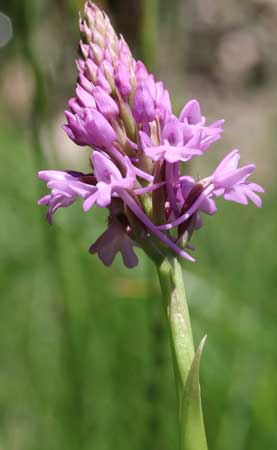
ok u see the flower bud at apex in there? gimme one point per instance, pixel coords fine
(89, 14)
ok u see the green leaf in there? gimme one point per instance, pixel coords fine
(193, 435)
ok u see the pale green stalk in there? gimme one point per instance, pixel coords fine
(185, 361)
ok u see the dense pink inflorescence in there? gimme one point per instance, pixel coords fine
(138, 147)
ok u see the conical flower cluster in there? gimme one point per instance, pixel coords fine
(138, 148)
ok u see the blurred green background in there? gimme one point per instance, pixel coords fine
(84, 356)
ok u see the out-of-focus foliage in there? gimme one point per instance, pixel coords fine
(84, 356)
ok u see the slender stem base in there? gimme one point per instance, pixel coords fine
(182, 346)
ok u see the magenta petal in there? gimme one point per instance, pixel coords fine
(254, 197)
(218, 124)
(228, 180)
(89, 202)
(228, 164)
(69, 133)
(157, 152)
(208, 206)
(198, 222)
(44, 200)
(172, 154)
(173, 131)
(145, 140)
(236, 195)
(74, 106)
(104, 194)
(255, 187)
(104, 169)
(191, 112)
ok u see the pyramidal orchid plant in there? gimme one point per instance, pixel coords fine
(137, 171)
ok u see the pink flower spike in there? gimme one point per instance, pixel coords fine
(139, 153)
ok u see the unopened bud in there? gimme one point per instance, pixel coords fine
(105, 104)
(122, 79)
(143, 107)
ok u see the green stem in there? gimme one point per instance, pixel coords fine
(176, 309)
(181, 339)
